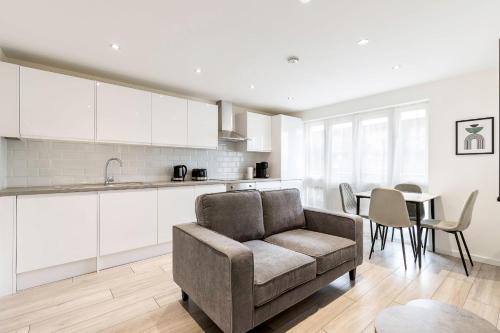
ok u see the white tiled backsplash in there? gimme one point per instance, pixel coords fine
(38, 163)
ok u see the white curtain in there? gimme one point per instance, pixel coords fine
(367, 150)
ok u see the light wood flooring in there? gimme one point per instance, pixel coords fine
(141, 297)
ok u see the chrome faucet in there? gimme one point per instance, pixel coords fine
(107, 179)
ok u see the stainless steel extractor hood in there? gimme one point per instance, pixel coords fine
(226, 123)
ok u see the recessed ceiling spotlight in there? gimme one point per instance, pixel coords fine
(290, 98)
(293, 59)
(396, 67)
(252, 86)
(363, 42)
(115, 46)
(197, 70)
(305, 1)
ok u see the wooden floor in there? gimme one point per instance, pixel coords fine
(141, 297)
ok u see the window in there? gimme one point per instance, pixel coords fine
(370, 149)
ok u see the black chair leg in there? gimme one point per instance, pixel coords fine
(461, 254)
(433, 240)
(403, 246)
(382, 232)
(392, 236)
(466, 248)
(412, 240)
(373, 242)
(385, 237)
(371, 230)
(425, 239)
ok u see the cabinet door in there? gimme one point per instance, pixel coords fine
(9, 100)
(175, 206)
(7, 244)
(169, 121)
(258, 132)
(127, 219)
(202, 125)
(268, 186)
(55, 229)
(123, 114)
(56, 106)
(205, 189)
(292, 148)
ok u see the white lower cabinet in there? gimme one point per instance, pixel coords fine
(268, 186)
(55, 229)
(175, 205)
(127, 220)
(206, 189)
(7, 244)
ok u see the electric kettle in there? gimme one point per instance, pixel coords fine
(180, 172)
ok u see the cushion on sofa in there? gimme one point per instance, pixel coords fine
(282, 211)
(277, 270)
(329, 251)
(237, 215)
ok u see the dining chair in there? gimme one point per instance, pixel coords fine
(388, 209)
(412, 210)
(349, 203)
(455, 228)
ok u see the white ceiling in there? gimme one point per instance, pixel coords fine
(243, 42)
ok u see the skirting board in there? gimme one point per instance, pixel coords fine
(56, 273)
(66, 271)
(122, 258)
(481, 259)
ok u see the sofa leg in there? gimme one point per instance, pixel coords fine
(352, 274)
(185, 297)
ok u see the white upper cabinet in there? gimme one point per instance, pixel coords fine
(202, 125)
(56, 106)
(123, 114)
(287, 157)
(9, 100)
(128, 220)
(257, 128)
(55, 229)
(169, 121)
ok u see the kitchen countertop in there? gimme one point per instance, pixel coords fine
(30, 190)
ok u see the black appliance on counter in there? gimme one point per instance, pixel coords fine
(199, 174)
(261, 170)
(180, 172)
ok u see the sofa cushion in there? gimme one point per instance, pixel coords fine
(237, 215)
(277, 270)
(282, 211)
(329, 251)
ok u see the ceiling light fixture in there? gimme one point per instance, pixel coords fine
(396, 67)
(115, 46)
(363, 42)
(293, 59)
(252, 86)
(197, 70)
(305, 1)
(290, 98)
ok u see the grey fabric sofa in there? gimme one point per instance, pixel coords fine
(253, 254)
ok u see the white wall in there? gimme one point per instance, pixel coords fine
(3, 163)
(453, 177)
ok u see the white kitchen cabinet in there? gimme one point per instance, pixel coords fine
(123, 114)
(7, 244)
(287, 157)
(56, 106)
(127, 219)
(169, 121)
(257, 128)
(9, 100)
(175, 206)
(55, 229)
(206, 189)
(268, 186)
(202, 125)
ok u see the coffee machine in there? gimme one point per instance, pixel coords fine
(180, 172)
(261, 170)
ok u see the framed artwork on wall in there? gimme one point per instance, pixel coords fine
(475, 136)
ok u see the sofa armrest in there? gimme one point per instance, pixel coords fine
(217, 273)
(337, 224)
